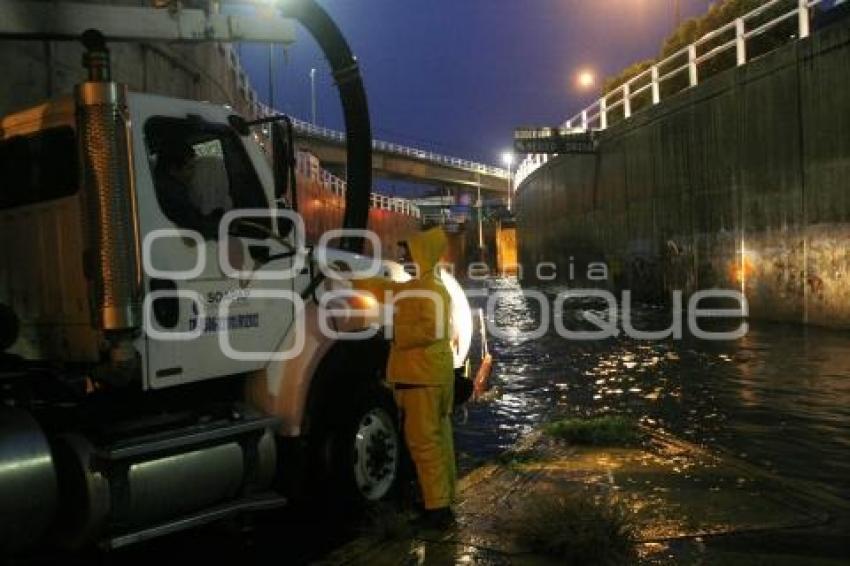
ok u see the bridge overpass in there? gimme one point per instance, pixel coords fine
(395, 161)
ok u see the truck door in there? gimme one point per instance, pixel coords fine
(196, 172)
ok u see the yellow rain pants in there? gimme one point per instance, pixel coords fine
(426, 417)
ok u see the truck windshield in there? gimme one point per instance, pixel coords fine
(200, 171)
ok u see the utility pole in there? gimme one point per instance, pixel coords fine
(313, 95)
(271, 76)
(508, 161)
(479, 204)
(510, 187)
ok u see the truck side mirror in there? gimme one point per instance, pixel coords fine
(283, 164)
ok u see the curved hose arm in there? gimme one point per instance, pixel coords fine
(358, 129)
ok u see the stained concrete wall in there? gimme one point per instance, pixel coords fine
(35, 71)
(323, 210)
(742, 182)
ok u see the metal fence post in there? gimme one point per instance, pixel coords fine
(804, 18)
(584, 119)
(656, 87)
(741, 40)
(627, 100)
(692, 64)
(603, 113)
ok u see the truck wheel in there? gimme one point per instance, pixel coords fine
(375, 458)
(363, 449)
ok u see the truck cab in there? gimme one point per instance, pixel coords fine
(164, 363)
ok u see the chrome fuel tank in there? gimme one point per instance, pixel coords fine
(144, 487)
(28, 487)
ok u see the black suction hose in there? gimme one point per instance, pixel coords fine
(358, 130)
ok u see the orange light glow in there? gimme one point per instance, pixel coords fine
(363, 302)
(741, 271)
(586, 79)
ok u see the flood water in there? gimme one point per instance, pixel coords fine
(779, 397)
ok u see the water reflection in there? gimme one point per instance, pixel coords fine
(777, 397)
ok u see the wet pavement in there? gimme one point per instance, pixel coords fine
(680, 501)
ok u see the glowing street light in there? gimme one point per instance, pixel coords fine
(586, 79)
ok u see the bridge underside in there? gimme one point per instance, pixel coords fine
(392, 166)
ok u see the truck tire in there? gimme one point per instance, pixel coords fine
(362, 449)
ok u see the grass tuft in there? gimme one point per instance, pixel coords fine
(596, 431)
(577, 528)
(516, 458)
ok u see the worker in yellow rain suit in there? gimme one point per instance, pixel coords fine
(421, 371)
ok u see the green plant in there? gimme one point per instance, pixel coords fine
(629, 72)
(515, 459)
(719, 14)
(596, 431)
(576, 528)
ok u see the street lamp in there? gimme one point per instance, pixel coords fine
(508, 161)
(313, 95)
(271, 76)
(585, 79)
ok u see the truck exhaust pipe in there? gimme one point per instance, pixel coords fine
(113, 263)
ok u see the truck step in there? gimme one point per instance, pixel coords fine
(258, 502)
(179, 440)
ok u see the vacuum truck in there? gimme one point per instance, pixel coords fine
(164, 366)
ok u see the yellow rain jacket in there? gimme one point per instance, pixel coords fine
(421, 367)
(421, 352)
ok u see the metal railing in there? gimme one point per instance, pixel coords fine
(388, 147)
(309, 167)
(739, 31)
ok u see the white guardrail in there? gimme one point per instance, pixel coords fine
(388, 147)
(740, 31)
(309, 167)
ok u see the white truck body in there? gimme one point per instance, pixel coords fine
(318, 391)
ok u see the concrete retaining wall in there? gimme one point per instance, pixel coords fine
(35, 71)
(743, 182)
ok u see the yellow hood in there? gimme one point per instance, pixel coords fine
(426, 248)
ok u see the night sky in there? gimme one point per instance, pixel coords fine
(456, 76)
